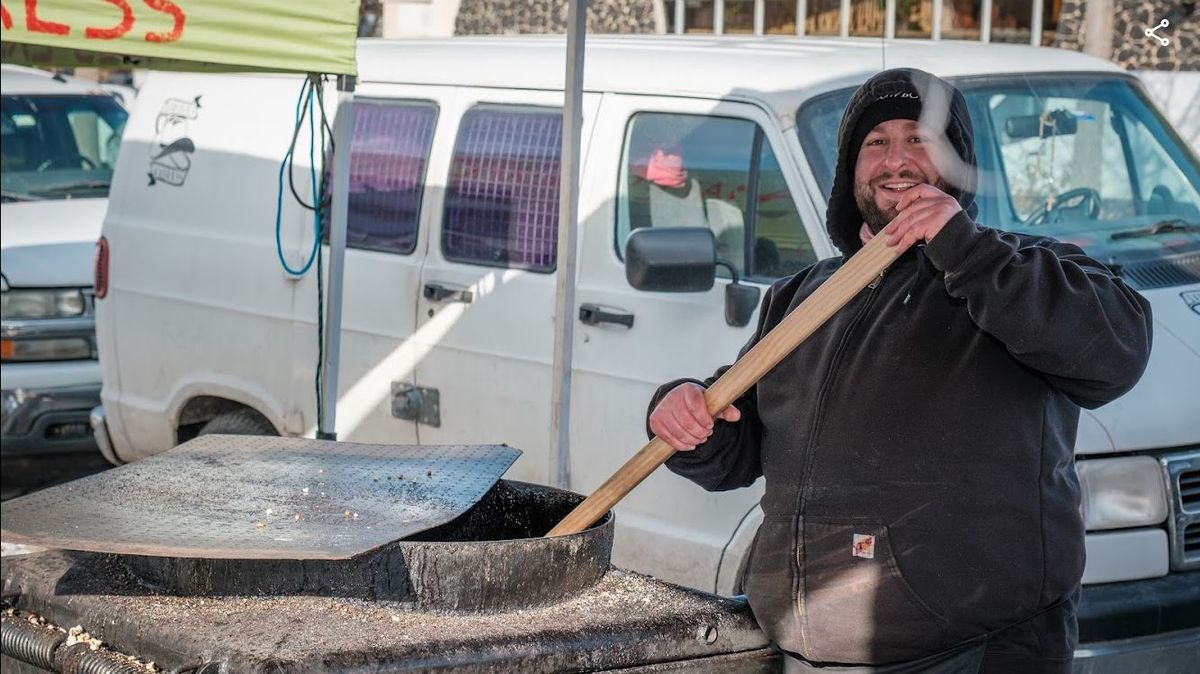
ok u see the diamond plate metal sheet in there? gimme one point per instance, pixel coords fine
(252, 497)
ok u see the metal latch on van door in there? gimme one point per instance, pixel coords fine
(595, 314)
(415, 403)
(441, 292)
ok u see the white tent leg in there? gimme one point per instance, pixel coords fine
(343, 133)
(568, 212)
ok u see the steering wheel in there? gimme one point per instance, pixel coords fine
(66, 161)
(1084, 200)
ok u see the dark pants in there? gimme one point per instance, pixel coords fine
(1043, 644)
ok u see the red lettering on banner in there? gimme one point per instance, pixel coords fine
(166, 7)
(117, 30)
(6, 17)
(36, 25)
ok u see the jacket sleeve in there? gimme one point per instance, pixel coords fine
(1055, 309)
(732, 456)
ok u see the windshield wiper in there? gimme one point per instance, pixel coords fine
(19, 196)
(71, 187)
(1163, 227)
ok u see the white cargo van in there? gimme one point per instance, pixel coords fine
(59, 138)
(449, 287)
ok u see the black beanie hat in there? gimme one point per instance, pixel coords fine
(901, 93)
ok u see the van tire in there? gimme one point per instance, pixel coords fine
(238, 422)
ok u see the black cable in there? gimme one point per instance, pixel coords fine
(325, 128)
(319, 379)
(308, 94)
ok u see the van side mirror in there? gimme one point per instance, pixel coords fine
(684, 259)
(740, 303)
(671, 259)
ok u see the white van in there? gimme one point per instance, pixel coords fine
(59, 138)
(449, 286)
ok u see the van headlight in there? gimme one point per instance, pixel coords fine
(1122, 492)
(33, 304)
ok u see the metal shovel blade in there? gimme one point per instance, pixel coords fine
(253, 497)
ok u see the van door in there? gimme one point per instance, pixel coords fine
(394, 132)
(668, 163)
(486, 305)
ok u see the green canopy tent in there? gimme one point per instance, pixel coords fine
(297, 36)
(301, 36)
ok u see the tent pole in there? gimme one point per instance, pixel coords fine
(568, 212)
(343, 128)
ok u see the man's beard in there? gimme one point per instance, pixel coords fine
(864, 195)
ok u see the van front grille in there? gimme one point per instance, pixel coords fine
(1189, 490)
(1182, 471)
(1163, 273)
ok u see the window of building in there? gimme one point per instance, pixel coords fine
(779, 17)
(698, 16)
(502, 195)
(739, 17)
(715, 172)
(388, 157)
(824, 17)
(867, 18)
(960, 19)
(914, 18)
(1051, 10)
(1012, 21)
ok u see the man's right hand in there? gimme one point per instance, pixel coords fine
(682, 419)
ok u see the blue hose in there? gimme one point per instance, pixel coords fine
(306, 93)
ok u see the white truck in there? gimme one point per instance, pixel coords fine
(449, 285)
(60, 137)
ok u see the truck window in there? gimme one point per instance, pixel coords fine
(58, 146)
(502, 196)
(715, 172)
(388, 158)
(1081, 158)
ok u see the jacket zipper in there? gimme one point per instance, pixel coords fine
(806, 480)
(818, 415)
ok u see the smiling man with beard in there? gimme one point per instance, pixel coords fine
(921, 510)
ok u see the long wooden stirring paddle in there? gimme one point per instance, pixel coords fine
(863, 267)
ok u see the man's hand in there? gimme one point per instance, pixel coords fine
(923, 211)
(682, 420)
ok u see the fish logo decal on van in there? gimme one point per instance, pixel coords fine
(171, 150)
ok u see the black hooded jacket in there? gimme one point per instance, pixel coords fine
(918, 447)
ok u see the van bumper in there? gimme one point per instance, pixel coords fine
(1156, 654)
(37, 422)
(1150, 626)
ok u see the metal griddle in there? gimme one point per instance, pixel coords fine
(210, 498)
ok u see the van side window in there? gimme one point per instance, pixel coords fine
(502, 195)
(388, 156)
(715, 172)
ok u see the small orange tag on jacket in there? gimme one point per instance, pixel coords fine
(864, 546)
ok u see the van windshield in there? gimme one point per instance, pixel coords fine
(58, 147)
(1084, 159)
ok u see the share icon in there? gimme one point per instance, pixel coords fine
(1161, 40)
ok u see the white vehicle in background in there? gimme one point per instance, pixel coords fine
(449, 284)
(58, 145)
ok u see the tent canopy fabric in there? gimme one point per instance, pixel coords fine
(308, 36)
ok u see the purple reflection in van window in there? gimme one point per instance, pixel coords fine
(387, 173)
(502, 198)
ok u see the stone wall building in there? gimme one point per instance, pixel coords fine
(1052, 23)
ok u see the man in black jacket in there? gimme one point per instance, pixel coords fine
(922, 511)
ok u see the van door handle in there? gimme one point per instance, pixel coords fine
(439, 292)
(595, 314)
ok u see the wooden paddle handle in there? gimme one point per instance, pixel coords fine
(862, 268)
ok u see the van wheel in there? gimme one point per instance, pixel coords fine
(238, 422)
